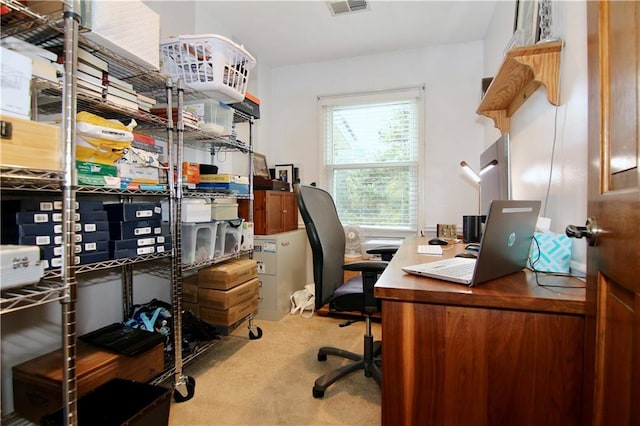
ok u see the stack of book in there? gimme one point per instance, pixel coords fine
(119, 92)
(95, 80)
(89, 75)
(189, 118)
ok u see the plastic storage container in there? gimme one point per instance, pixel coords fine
(208, 63)
(228, 238)
(198, 241)
(214, 117)
(224, 211)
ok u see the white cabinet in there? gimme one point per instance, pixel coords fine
(281, 270)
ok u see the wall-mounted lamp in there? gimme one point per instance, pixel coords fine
(476, 176)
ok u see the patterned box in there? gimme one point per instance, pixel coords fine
(550, 252)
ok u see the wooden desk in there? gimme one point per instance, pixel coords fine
(508, 352)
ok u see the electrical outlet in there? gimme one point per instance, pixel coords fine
(447, 231)
(261, 268)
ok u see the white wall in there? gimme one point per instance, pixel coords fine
(534, 124)
(451, 75)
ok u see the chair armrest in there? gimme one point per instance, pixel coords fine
(366, 266)
(385, 252)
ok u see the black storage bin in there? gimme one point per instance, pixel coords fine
(120, 402)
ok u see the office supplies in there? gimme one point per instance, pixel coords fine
(429, 249)
(504, 248)
(438, 242)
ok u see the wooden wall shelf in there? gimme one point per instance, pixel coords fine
(524, 69)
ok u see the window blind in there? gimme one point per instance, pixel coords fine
(371, 158)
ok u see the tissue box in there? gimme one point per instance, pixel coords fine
(550, 252)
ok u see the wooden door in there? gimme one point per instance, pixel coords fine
(274, 206)
(612, 379)
(289, 211)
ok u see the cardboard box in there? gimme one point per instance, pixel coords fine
(228, 274)
(224, 299)
(37, 384)
(190, 289)
(229, 316)
(29, 144)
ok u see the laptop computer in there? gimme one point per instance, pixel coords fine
(504, 246)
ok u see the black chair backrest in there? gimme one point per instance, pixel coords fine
(326, 237)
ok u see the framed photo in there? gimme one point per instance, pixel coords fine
(260, 167)
(526, 26)
(284, 172)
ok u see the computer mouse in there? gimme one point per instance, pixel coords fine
(438, 242)
(467, 255)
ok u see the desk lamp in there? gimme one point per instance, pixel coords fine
(476, 177)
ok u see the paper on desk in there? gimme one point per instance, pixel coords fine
(429, 249)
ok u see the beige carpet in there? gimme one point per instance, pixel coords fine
(268, 381)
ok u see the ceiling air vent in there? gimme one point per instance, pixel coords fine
(347, 6)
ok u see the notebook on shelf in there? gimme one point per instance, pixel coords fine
(504, 247)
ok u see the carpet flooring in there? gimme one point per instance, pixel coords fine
(268, 381)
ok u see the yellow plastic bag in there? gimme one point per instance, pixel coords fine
(103, 134)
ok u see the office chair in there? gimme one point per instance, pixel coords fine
(327, 240)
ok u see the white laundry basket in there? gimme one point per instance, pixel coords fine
(208, 63)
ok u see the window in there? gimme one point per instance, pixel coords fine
(372, 158)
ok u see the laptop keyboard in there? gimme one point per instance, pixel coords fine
(458, 271)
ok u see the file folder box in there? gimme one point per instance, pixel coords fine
(133, 211)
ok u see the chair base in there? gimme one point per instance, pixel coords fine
(370, 361)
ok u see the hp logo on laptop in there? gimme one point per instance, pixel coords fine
(512, 239)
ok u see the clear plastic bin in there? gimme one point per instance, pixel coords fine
(214, 117)
(198, 241)
(228, 238)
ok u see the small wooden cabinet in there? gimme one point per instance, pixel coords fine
(273, 211)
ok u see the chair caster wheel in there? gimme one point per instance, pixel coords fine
(317, 393)
(322, 357)
(190, 386)
(254, 336)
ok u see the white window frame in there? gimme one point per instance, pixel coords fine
(326, 182)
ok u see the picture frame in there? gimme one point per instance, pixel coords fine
(526, 25)
(260, 167)
(285, 173)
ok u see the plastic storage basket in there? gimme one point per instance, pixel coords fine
(208, 63)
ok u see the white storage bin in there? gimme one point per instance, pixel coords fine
(228, 238)
(198, 241)
(208, 63)
(224, 211)
(193, 210)
(214, 117)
